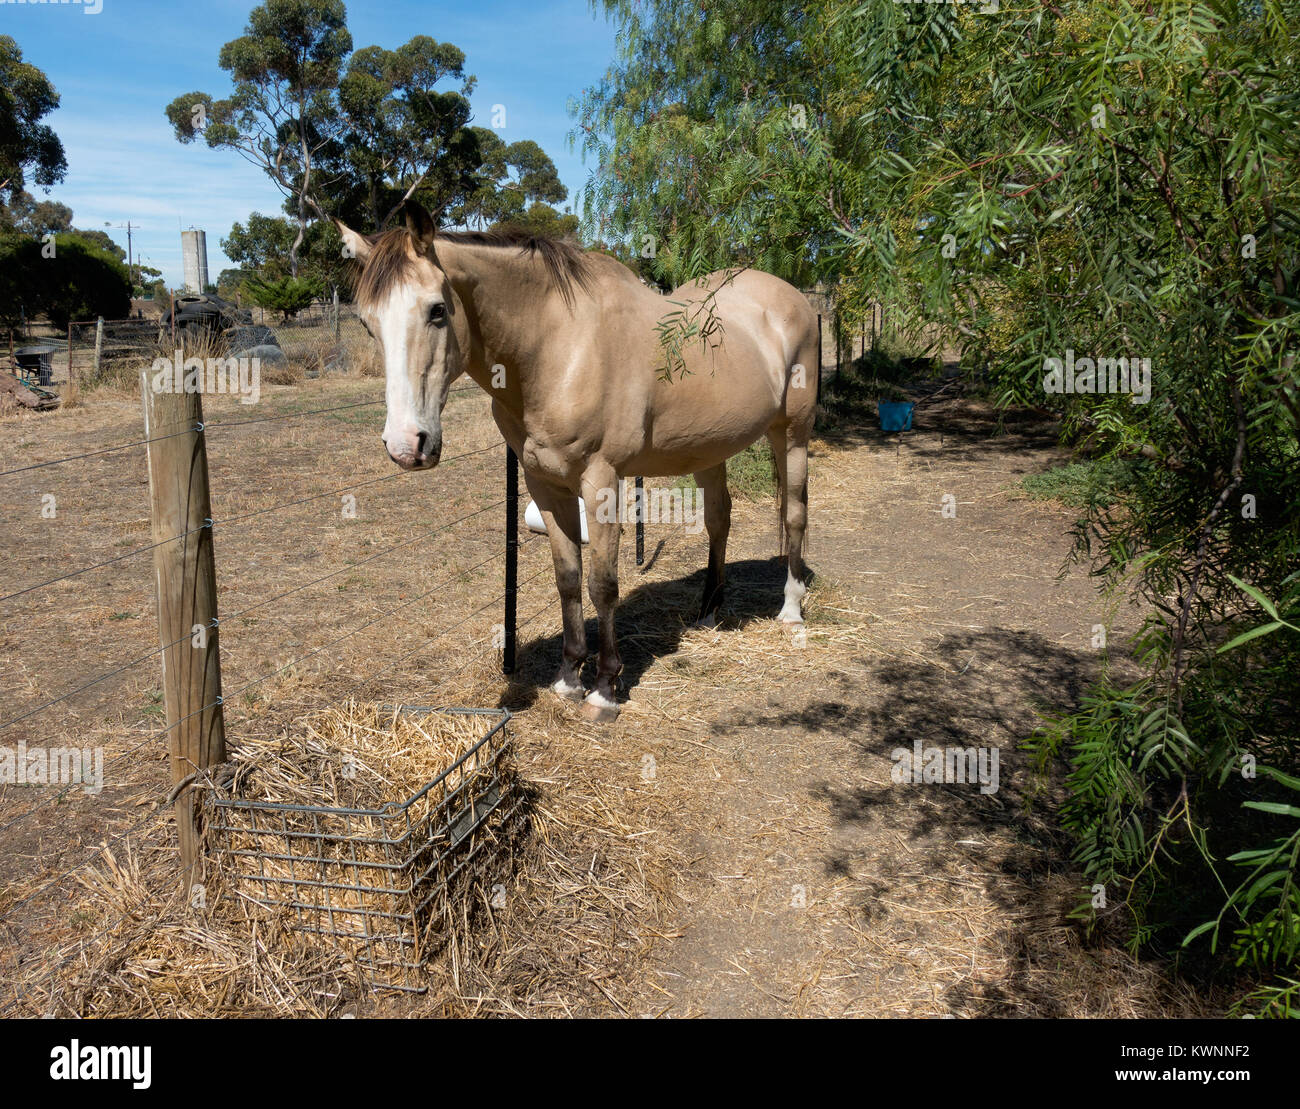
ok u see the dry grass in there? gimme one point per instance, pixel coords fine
(631, 895)
(72, 395)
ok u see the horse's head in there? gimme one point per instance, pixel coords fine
(407, 304)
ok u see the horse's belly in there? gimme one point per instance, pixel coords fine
(701, 420)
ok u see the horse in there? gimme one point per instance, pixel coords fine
(571, 347)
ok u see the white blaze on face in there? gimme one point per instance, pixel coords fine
(401, 428)
(413, 397)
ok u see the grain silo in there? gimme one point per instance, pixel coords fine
(194, 253)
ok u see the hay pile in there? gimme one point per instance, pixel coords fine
(230, 949)
(590, 893)
(359, 755)
(398, 815)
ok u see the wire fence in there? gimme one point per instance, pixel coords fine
(133, 767)
(459, 548)
(323, 338)
(326, 337)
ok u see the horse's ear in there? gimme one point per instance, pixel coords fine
(420, 224)
(354, 245)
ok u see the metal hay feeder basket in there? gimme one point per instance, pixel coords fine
(378, 882)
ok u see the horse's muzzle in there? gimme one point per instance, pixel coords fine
(423, 454)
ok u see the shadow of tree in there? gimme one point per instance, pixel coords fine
(985, 688)
(981, 689)
(967, 428)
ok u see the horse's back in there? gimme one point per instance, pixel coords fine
(768, 306)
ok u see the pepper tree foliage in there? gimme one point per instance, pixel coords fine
(1109, 178)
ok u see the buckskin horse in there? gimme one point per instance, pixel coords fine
(571, 348)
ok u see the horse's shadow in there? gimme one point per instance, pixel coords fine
(651, 621)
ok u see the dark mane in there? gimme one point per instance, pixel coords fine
(393, 255)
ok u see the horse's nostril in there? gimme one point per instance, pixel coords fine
(424, 445)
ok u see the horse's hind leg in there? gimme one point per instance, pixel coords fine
(717, 518)
(600, 488)
(560, 514)
(790, 450)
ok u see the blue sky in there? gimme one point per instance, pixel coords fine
(117, 70)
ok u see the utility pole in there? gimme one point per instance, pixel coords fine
(130, 267)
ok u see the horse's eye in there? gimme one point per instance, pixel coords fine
(438, 314)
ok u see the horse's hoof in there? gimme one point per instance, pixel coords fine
(598, 710)
(567, 692)
(709, 621)
(787, 618)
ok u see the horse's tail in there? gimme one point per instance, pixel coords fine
(780, 519)
(779, 477)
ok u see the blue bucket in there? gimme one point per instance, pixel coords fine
(895, 415)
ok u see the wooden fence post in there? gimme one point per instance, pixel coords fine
(99, 343)
(185, 574)
(71, 380)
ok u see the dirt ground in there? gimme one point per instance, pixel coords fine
(748, 780)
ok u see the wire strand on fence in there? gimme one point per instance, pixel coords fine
(353, 565)
(106, 562)
(92, 454)
(492, 647)
(346, 635)
(226, 521)
(433, 639)
(234, 615)
(316, 411)
(291, 415)
(102, 678)
(346, 488)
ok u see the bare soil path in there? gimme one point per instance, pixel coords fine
(814, 884)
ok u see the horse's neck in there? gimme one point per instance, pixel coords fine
(491, 283)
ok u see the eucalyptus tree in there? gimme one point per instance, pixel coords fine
(404, 136)
(280, 114)
(27, 145)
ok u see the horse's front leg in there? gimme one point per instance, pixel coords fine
(600, 491)
(560, 514)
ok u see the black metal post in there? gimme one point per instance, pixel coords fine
(640, 521)
(512, 559)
